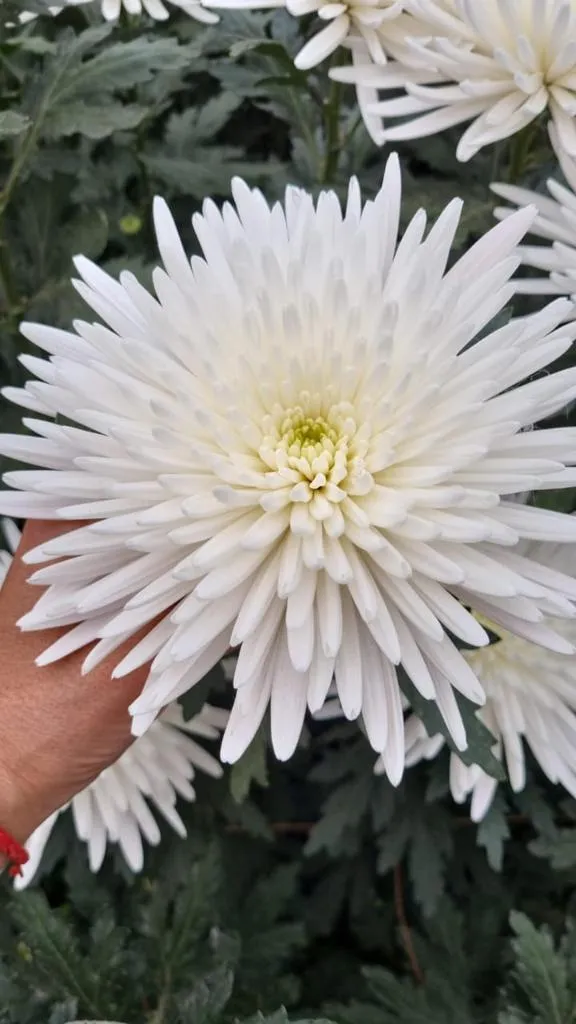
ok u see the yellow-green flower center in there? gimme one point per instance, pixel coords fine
(307, 437)
(319, 450)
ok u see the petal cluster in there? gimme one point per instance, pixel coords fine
(499, 64)
(530, 696)
(299, 448)
(556, 224)
(157, 9)
(115, 809)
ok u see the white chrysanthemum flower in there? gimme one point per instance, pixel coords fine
(111, 9)
(556, 222)
(369, 20)
(297, 448)
(531, 695)
(497, 63)
(156, 769)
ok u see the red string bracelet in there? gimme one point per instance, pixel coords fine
(15, 854)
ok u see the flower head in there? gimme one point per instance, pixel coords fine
(499, 64)
(111, 9)
(530, 695)
(156, 769)
(370, 21)
(556, 223)
(297, 449)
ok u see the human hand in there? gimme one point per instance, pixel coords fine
(58, 729)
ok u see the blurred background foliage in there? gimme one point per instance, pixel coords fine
(311, 890)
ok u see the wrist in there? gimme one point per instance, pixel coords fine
(24, 802)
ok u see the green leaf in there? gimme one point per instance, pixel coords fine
(250, 768)
(94, 121)
(559, 848)
(207, 999)
(12, 123)
(494, 830)
(54, 951)
(540, 977)
(480, 739)
(341, 813)
(431, 844)
(119, 66)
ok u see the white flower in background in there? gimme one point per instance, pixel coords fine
(531, 695)
(556, 222)
(497, 63)
(10, 536)
(111, 9)
(295, 449)
(156, 769)
(369, 20)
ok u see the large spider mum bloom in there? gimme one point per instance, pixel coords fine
(297, 449)
(497, 63)
(369, 20)
(111, 9)
(556, 223)
(155, 770)
(530, 695)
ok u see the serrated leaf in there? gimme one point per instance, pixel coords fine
(209, 173)
(94, 121)
(480, 739)
(208, 997)
(540, 974)
(213, 115)
(341, 813)
(559, 848)
(12, 123)
(428, 852)
(494, 830)
(250, 768)
(122, 66)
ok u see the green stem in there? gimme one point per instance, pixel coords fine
(159, 1014)
(332, 134)
(520, 147)
(347, 139)
(20, 160)
(7, 280)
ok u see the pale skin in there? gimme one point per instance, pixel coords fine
(58, 729)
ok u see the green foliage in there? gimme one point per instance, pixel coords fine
(179, 946)
(542, 985)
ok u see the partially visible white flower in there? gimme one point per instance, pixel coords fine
(531, 696)
(299, 448)
(156, 769)
(556, 222)
(368, 20)
(111, 9)
(497, 63)
(11, 537)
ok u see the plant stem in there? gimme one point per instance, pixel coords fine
(332, 134)
(7, 280)
(159, 1014)
(520, 147)
(20, 160)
